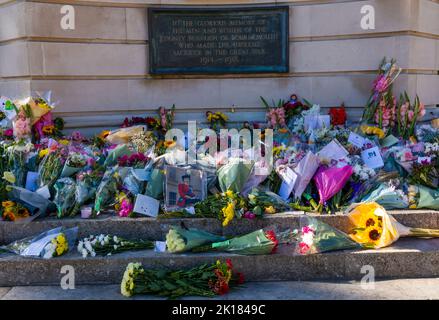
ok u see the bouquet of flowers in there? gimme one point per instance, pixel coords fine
(51, 167)
(49, 244)
(183, 239)
(408, 115)
(224, 206)
(65, 196)
(12, 211)
(74, 163)
(135, 160)
(205, 280)
(381, 103)
(330, 181)
(234, 175)
(107, 190)
(258, 242)
(422, 197)
(216, 120)
(388, 196)
(17, 158)
(372, 227)
(338, 115)
(266, 202)
(275, 114)
(316, 236)
(87, 183)
(106, 245)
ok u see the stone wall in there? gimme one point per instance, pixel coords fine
(99, 71)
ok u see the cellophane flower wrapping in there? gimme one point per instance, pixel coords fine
(87, 183)
(65, 196)
(180, 240)
(155, 185)
(330, 181)
(124, 135)
(35, 203)
(132, 184)
(116, 153)
(107, 190)
(258, 242)
(49, 244)
(305, 170)
(388, 197)
(371, 226)
(424, 197)
(315, 236)
(75, 162)
(50, 168)
(234, 175)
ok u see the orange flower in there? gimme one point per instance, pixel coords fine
(104, 134)
(170, 143)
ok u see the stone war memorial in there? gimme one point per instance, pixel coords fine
(225, 149)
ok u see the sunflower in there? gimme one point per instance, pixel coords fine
(23, 212)
(48, 130)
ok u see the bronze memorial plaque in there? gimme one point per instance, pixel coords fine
(218, 40)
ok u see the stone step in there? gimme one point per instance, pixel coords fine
(395, 289)
(155, 229)
(408, 258)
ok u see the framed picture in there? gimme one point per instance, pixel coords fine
(184, 187)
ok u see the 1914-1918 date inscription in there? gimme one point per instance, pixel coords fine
(218, 40)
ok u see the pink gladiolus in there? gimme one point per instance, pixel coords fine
(411, 114)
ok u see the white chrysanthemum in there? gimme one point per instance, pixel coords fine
(88, 246)
(115, 239)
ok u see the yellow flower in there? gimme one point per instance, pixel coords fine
(8, 204)
(48, 130)
(9, 177)
(104, 134)
(43, 152)
(228, 213)
(61, 244)
(283, 130)
(63, 142)
(229, 194)
(373, 130)
(270, 210)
